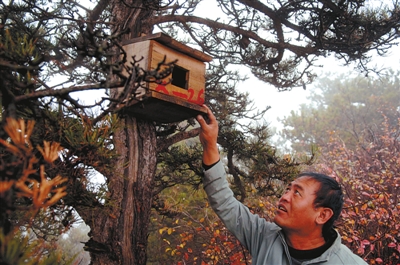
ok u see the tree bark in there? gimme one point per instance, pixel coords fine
(119, 231)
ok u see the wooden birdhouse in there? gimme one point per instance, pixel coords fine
(180, 95)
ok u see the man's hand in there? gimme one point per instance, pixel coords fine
(208, 137)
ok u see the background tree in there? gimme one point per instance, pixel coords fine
(79, 48)
(353, 107)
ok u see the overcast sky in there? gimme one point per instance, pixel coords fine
(282, 103)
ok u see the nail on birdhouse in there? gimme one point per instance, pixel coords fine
(178, 96)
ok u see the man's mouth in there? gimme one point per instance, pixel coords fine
(282, 208)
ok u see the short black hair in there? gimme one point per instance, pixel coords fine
(329, 195)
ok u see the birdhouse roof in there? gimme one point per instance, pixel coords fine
(173, 44)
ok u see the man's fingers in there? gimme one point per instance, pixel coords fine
(210, 115)
(200, 120)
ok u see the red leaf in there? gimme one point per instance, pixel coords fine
(392, 245)
(360, 250)
(365, 242)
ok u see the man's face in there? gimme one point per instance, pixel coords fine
(296, 212)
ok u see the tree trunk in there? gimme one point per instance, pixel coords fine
(119, 232)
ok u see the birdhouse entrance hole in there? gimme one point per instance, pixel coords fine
(180, 77)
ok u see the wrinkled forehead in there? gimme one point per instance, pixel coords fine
(307, 183)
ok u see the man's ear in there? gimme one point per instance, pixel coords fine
(324, 215)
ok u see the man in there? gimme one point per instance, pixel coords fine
(302, 231)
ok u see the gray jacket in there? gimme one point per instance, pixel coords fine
(263, 239)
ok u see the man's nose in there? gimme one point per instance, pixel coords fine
(285, 196)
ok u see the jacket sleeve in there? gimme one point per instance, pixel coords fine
(247, 227)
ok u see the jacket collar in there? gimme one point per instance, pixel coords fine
(323, 258)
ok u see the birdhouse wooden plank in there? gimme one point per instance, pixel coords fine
(179, 96)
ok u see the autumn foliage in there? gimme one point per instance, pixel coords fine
(206, 243)
(26, 189)
(369, 174)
